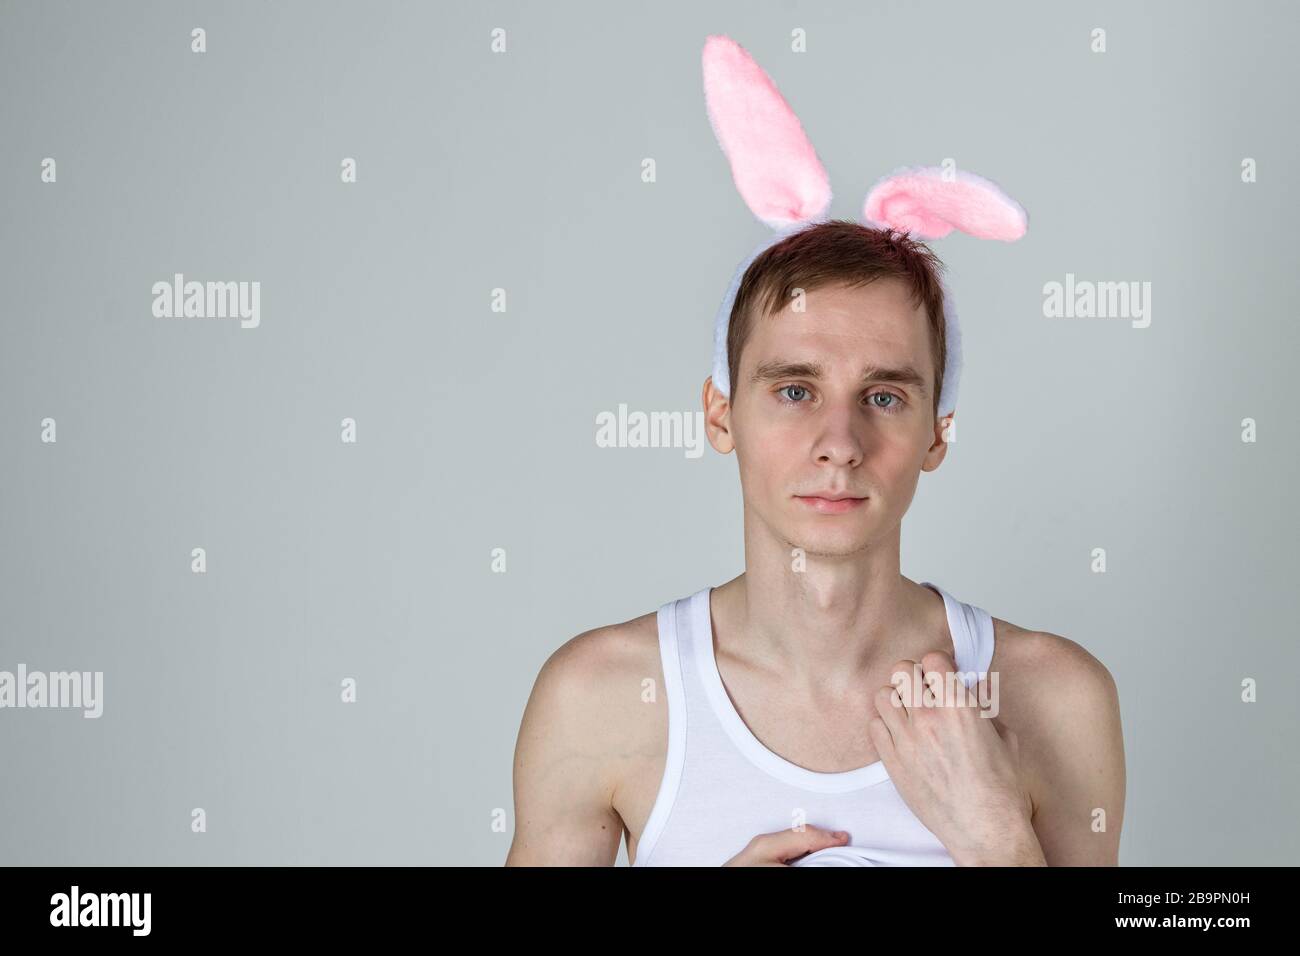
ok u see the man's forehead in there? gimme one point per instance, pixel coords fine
(876, 306)
(820, 336)
(883, 293)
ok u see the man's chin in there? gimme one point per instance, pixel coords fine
(822, 541)
(831, 551)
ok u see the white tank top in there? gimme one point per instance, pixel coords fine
(721, 786)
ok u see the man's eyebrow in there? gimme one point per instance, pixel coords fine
(902, 375)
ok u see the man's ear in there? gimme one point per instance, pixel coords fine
(717, 418)
(945, 431)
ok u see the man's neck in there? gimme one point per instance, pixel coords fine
(824, 622)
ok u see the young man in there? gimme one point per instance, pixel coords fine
(792, 715)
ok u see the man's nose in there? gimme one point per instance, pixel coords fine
(840, 442)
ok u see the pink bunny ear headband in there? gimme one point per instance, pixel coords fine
(783, 183)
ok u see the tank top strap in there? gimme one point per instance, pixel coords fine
(675, 655)
(972, 634)
(677, 639)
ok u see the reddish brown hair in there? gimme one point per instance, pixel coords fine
(839, 251)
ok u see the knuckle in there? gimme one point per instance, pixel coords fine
(936, 661)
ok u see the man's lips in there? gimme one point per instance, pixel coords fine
(832, 503)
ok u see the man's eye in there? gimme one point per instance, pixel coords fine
(793, 388)
(895, 403)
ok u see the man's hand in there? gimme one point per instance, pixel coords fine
(783, 846)
(956, 770)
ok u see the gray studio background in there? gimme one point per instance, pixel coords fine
(476, 429)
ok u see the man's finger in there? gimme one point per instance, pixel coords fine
(883, 740)
(938, 674)
(909, 677)
(891, 710)
(788, 844)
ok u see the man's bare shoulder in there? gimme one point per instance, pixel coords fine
(1062, 703)
(1060, 668)
(604, 655)
(579, 720)
(606, 682)
(602, 677)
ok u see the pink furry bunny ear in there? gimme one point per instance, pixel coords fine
(923, 201)
(773, 164)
